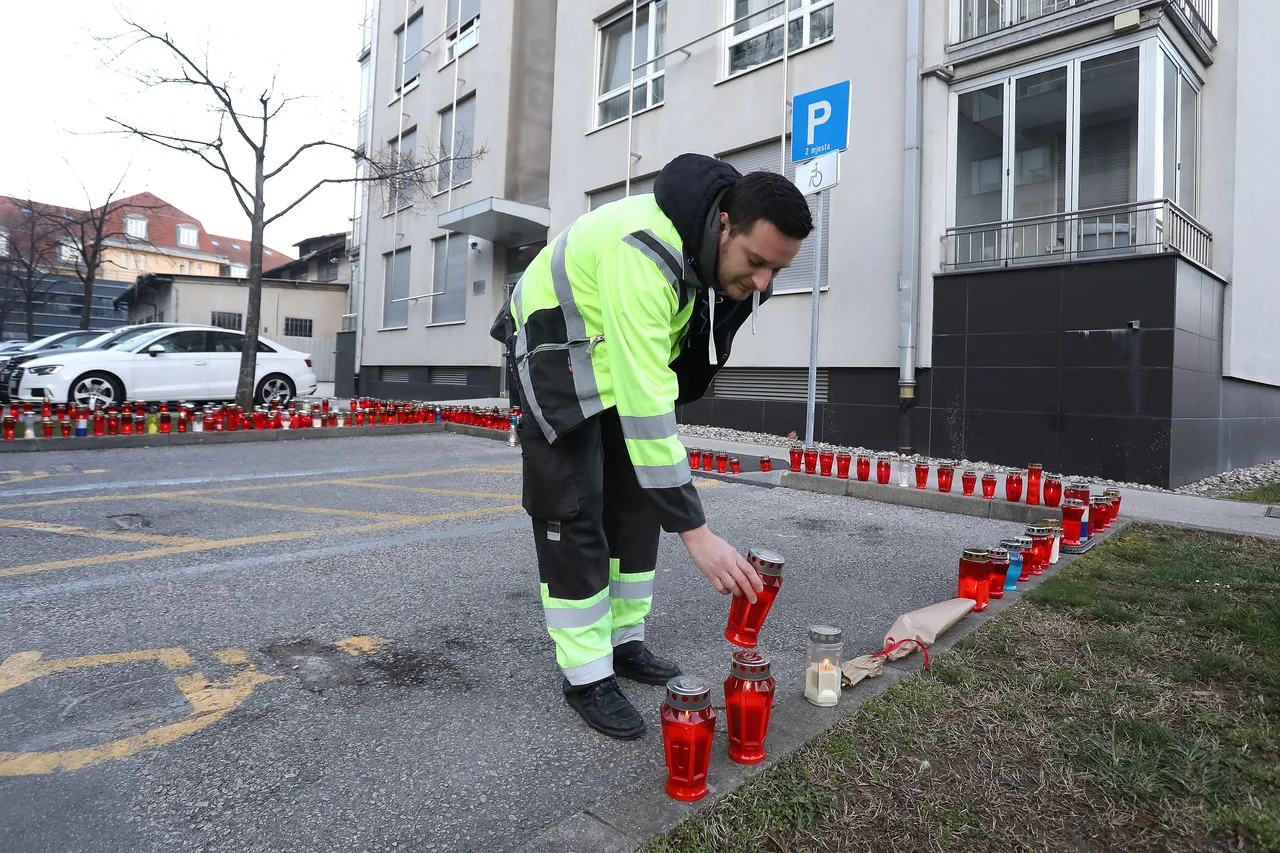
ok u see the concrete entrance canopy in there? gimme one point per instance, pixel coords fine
(498, 220)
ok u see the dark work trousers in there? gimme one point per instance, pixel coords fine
(596, 535)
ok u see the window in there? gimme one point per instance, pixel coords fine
(402, 186)
(227, 320)
(136, 227)
(4, 243)
(199, 268)
(395, 288)
(615, 53)
(226, 341)
(327, 269)
(191, 341)
(189, 236)
(756, 35)
(142, 263)
(639, 186)
(69, 252)
(983, 17)
(182, 267)
(239, 271)
(798, 276)
(449, 279)
(295, 327)
(457, 140)
(408, 52)
(1178, 136)
(462, 38)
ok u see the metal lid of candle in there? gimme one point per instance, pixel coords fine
(688, 693)
(766, 562)
(1037, 530)
(975, 555)
(1074, 503)
(824, 633)
(749, 665)
(1024, 541)
(1035, 466)
(1080, 487)
(1013, 544)
(1111, 492)
(998, 554)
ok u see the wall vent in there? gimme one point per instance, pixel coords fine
(447, 375)
(768, 383)
(393, 374)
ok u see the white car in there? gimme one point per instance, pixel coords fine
(166, 364)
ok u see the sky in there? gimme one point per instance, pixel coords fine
(63, 83)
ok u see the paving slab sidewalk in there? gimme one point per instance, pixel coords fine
(1189, 511)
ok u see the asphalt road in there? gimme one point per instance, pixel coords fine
(177, 668)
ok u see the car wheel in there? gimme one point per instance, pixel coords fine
(96, 391)
(276, 388)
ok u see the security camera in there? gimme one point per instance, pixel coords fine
(475, 244)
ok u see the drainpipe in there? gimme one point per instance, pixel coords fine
(908, 278)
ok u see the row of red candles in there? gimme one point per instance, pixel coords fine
(131, 419)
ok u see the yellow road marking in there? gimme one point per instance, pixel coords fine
(352, 513)
(95, 471)
(210, 702)
(210, 545)
(356, 646)
(425, 490)
(88, 533)
(19, 477)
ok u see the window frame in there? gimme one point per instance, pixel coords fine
(394, 191)
(70, 252)
(1152, 48)
(451, 112)
(191, 229)
(131, 218)
(399, 84)
(804, 13)
(469, 30)
(637, 78)
(239, 318)
(442, 244)
(231, 271)
(5, 245)
(310, 327)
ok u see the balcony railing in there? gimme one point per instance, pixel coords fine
(366, 34)
(978, 18)
(1149, 227)
(353, 236)
(362, 127)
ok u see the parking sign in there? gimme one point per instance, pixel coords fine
(820, 122)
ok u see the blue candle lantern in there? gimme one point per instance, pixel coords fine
(1014, 572)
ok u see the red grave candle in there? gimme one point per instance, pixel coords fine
(10, 427)
(1013, 486)
(1035, 471)
(811, 460)
(999, 560)
(1028, 558)
(1114, 494)
(968, 480)
(1052, 492)
(842, 465)
(922, 475)
(688, 728)
(708, 460)
(735, 466)
(825, 458)
(745, 618)
(946, 476)
(884, 470)
(1039, 548)
(99, 423)
(695, 455)
(1099, 515)
(748, 703)
(46, 426)
(722, 463)
(989, 486)
(975, 577)
(165, 420)
(766, 463)
(864, 468)
(797, 457)
(113, 421)
(1072, 514)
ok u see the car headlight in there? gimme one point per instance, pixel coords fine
(45, 370)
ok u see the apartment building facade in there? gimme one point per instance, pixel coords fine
(470, 84)
(1047, 242)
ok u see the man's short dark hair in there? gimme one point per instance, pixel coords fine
(769, 196)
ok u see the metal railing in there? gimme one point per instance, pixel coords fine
(1148, 227)
(978, 18)
(362, 127)
(353, 236)
(366, 34)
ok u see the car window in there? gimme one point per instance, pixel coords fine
(227, 342)
(190, 341)
(262, 347)
(133, 336)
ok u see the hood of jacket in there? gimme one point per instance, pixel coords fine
(689, 189)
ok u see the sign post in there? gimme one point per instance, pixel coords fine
(819, 132)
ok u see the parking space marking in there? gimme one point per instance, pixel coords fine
(210, 545)
(209, 701)
(425, 490)
(89, 533)
(317, 510)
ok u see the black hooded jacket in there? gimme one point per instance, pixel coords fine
(689, 190)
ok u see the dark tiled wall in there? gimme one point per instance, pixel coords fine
(481, 382)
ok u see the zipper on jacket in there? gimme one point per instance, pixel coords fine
(590, 342)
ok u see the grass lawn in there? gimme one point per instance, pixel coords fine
(1132, 703)
(1268, 494)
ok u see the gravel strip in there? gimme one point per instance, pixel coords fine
(1229, 482)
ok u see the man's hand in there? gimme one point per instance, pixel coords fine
(727, 570)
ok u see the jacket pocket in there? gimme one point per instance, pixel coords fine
(551, 483)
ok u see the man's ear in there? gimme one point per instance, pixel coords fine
(724, 222)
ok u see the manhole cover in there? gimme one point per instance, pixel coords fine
(1273, 512)
(130, 521)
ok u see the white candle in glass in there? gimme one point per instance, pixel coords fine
(822, 683)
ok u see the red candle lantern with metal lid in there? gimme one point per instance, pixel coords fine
(989, 486)
(708, 460)
(688, 728)
(1039, 548)
(722, 463)
(796, 453)
(922, 475)
(1013, 486)
(864, 467)
(1114, 494)
(113, 421)
(735, 465)
(695, 454)
(884, 470)
(10, 427)
(975, 577)
(999, 560)
(766, 463)
(46, 426)
(1028, 557)
(811, 460)
(843, 461)
(748, 704)
(968, 481)
(946, 476)
(825, 458)
(1099, 518)
(1072, 513)
(99, 423)
(1052, 492)
(1035, 471)
(745, 618)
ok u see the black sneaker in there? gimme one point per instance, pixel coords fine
(640, 664)
(605, 709)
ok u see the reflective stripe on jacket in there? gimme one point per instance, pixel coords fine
(599, 316)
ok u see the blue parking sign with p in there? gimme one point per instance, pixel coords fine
(820, 122)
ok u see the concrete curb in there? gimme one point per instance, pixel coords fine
(623, 821)
(953, 502)
(36, 445)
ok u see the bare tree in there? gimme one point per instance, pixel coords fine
(401, 174)
(90, 231)
(30, 267)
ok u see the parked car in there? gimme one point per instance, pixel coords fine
(26, 352)
(173, 363)
(10, 346)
